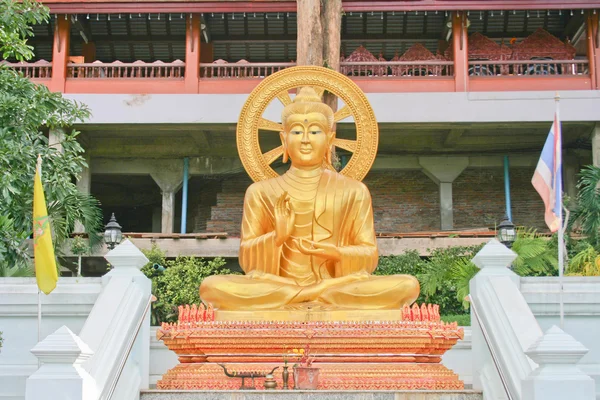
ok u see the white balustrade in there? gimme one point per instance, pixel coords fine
(507, 339)
(116, 332)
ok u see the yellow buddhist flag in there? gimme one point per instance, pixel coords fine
(43, 252)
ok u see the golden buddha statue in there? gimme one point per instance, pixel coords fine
(307, 237)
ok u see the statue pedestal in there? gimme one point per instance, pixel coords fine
(359, 354)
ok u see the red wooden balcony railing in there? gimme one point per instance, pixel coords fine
(117, 69)
(241, 70)
(391, 76)
(407, 69)
(39, 69)
(529, 68)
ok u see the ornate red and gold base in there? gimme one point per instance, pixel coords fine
(332, 376)
(400, 354)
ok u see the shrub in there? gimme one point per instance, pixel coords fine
(432, 273)
(445, 278)
(461, 320)
(179, 283)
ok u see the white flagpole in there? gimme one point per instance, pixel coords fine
(561, 239)
(39, 320)
(39, 305)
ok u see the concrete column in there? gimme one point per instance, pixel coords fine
(84, 184)
(156, 219)
(596, 145)
(55, 138)
(443, 171)
(571, 169)
(169, 183)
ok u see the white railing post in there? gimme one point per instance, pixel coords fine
(494, 260)
(61, 375)
(503, 323)
(557, 376)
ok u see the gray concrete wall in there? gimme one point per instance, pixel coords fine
(389, 107)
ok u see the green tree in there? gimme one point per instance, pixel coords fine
(27, 111)
(587, 210)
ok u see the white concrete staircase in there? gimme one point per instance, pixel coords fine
(310, 395)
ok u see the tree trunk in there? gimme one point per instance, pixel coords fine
(319, 39)
(310, 33)
(331, 22)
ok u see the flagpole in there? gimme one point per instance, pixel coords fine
(39, 305)
(561, 239)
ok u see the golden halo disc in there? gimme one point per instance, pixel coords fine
(277, 86)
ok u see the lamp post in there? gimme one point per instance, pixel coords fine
(507, 234)
(112, 233)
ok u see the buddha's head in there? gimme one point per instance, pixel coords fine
(307, 130)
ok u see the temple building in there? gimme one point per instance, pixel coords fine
(463, 91)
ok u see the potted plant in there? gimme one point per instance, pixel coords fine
(306, 377)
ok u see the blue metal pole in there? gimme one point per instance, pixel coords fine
(507, 188)
(184, 194)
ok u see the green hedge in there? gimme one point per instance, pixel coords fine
(179, 283)
(438, 286)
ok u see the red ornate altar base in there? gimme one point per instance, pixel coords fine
(400, 354)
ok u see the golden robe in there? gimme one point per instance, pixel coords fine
(341, 215)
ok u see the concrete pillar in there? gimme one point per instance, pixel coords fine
(169, 183)
(156, 219)
(571, 169)
(55, 138)
(84, 184)
(596, 145)
(443, 171)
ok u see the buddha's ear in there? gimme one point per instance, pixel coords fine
(330, 138)
(284, 146)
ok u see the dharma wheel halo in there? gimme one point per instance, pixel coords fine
(277, 86)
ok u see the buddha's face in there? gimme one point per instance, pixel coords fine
(307, 138)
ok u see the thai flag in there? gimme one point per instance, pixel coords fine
(547, 178)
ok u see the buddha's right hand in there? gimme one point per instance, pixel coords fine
(285, 217)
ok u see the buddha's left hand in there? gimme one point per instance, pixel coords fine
(324, 250)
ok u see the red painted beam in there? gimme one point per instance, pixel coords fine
(426, 5)
(368, 85)
(60, 53)
(103, 7)
(192, 53)
(127, 6)
(405, 85)
(523, 83)
(125, 86)
(460, 53)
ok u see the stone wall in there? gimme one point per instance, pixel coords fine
(408, 201)
(479, 200)
(226, 215)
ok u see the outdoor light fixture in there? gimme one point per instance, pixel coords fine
(112, 233)
(507, 234)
